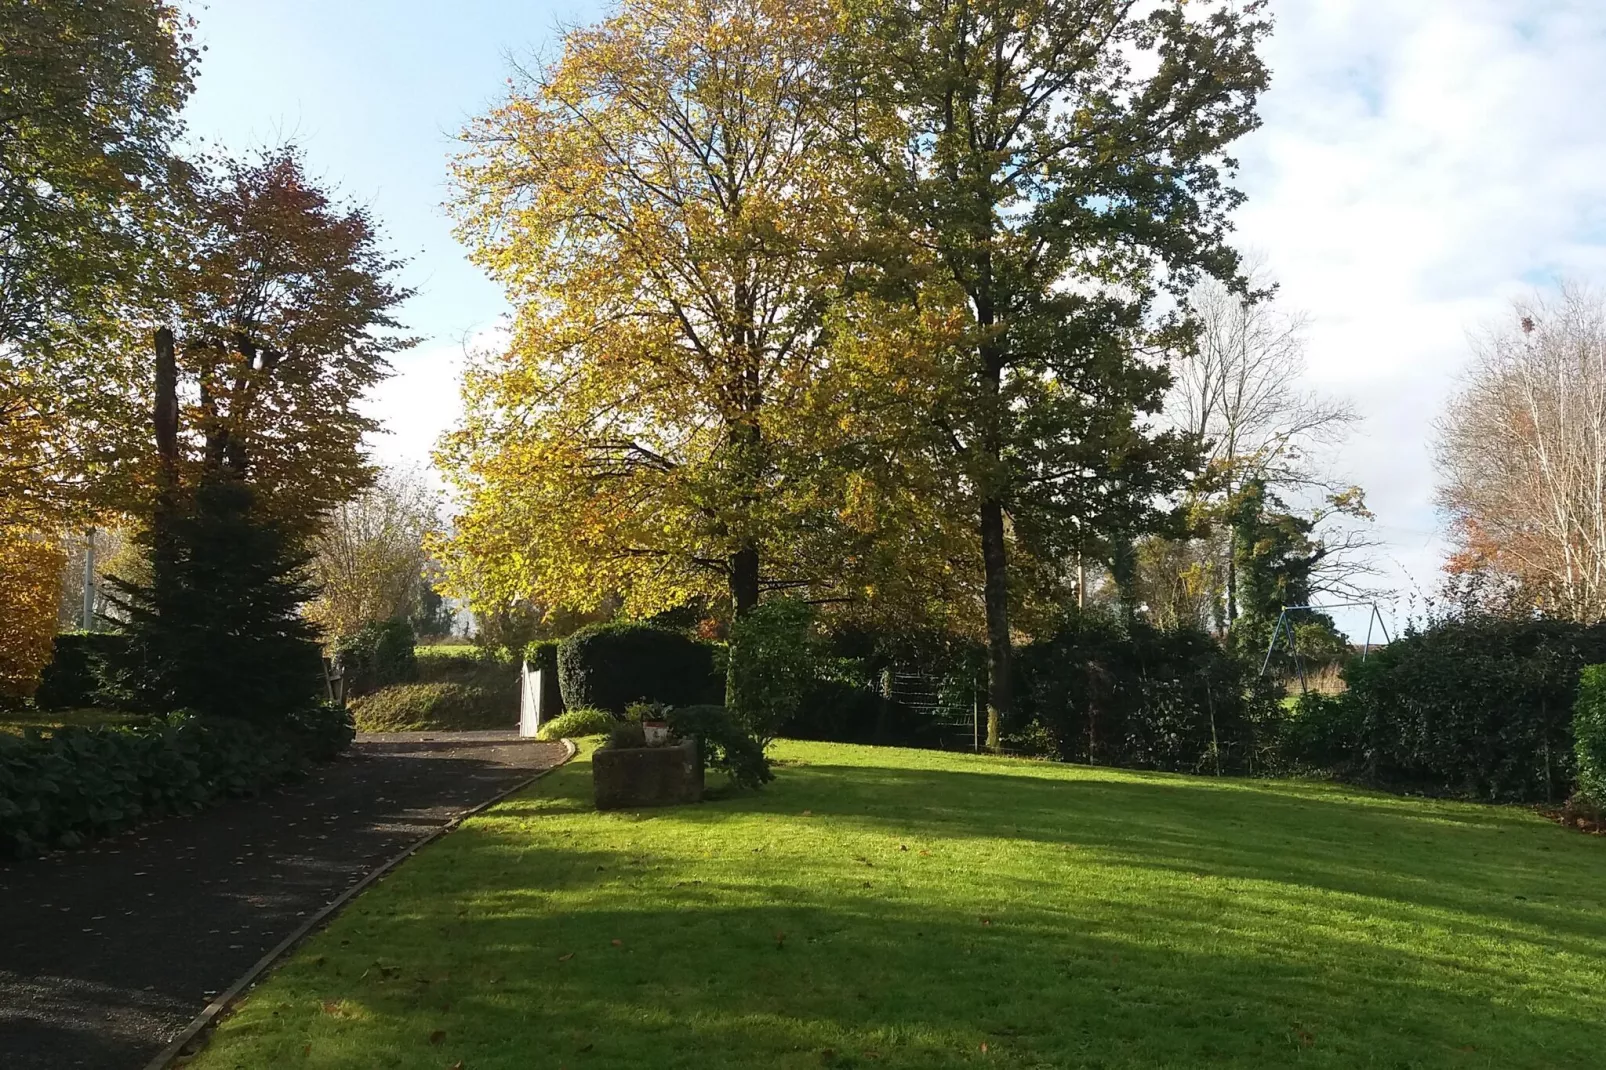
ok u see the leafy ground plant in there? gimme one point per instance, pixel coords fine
(887, 908)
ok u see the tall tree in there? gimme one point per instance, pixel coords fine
(369, 557)
(1522, 457)
(1063, 162)
(90, 96)
(90, 106)
(656, 203)
(283, 317)
(1238, 390)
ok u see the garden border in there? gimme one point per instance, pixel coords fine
(224, 999)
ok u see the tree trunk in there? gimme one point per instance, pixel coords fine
(1000, 697)
(166, 415)
(744, 579)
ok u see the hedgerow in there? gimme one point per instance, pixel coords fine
(59, 789)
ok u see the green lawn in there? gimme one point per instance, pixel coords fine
(888, 908)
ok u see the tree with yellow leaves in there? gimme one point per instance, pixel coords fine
(30, 574)
(660, 205)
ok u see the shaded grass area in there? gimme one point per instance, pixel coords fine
(878, 907)
(16, 721)
(456, 691)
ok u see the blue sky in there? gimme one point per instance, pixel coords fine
(374, 90)
(1423, 162)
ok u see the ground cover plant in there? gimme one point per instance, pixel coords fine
(892, 908)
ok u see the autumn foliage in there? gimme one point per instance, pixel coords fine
(30, 577)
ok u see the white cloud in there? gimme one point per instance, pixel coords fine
(1421, 164)
(421, 401)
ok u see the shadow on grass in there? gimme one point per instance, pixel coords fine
(1486, 861)
(1046, 917)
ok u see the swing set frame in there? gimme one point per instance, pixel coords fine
(1285, 626)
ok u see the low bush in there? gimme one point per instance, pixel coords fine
(609, 666)
(379, 654)
(626, 734)
(724, 743)
(78, 672)
(57, 790)
(573, 724)
(1589, 737)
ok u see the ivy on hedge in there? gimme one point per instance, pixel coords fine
(77, 783)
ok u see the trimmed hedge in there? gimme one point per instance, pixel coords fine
(77, 673)
(1480, 708)
(610, 666)
(1589, 736)
(76, 783)
(1132, 695)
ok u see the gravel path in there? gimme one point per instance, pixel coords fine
(107, 953)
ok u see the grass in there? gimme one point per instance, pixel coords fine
(16, 721)
(886, 908)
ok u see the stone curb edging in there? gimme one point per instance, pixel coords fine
(221, 1002)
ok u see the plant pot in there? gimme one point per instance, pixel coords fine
(633, 777)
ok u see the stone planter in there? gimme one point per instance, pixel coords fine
(632, 777)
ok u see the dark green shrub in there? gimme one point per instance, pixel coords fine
(609, 666)
(75, 783)
(1589, 736)
(774, 663)
(380, 654)
(1478, 707)
(1126, 693)
(321, 732)
(836, 711)
(441, 705)
(574, 724)
(78, 671)
(1323, 733)
(724, 743)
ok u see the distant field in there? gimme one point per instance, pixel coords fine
(894, 908)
